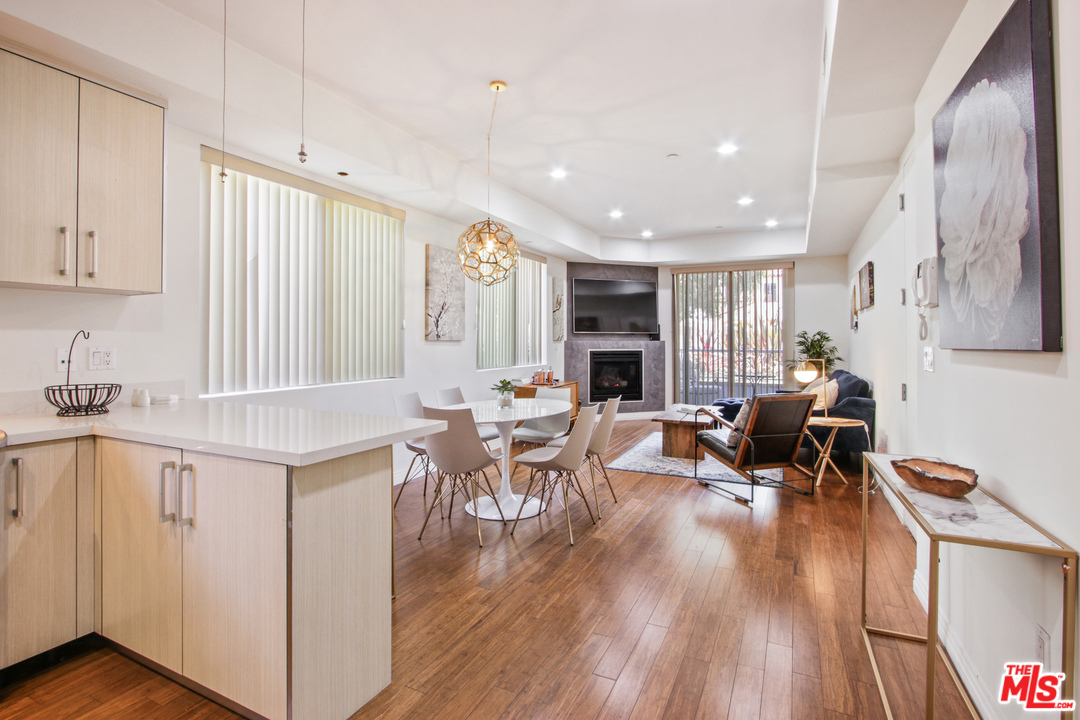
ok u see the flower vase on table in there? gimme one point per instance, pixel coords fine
(505, 388)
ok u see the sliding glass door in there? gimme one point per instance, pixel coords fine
(729, 330)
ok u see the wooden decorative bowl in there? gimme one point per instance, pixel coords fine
(938, 478)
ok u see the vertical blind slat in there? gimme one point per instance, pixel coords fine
(302, 290)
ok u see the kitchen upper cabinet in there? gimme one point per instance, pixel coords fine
(81, 185)
(194, 567)
(37, 549)
(121, 155)
(39, 140)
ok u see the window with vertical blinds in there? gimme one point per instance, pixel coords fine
(729, 332)
(302, 289)
(509, 318)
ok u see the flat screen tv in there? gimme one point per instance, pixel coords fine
(615, 306)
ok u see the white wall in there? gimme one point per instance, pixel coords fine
(821, 300)
(1009, 415)
(160, 339)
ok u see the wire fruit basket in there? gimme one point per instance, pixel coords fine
(84, 398)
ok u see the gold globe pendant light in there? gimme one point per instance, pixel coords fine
(487, 250)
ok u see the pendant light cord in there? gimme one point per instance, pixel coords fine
(224, 78)
(303, 76)
(490, 127)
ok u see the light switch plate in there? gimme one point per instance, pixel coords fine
(928, 358)
(62, 360)
(102, 358)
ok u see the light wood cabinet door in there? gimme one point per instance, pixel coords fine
(37, 549)
(121, 161)
(235, 593)
(39, 139)
(141, 556)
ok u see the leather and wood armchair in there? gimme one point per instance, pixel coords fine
(771, 440)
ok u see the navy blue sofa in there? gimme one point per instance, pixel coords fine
(855, 401)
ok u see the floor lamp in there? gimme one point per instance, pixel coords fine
(806, 372)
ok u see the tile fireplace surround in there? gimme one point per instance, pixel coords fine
(576, 364)
(577, 346)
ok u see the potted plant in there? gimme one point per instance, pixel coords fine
(818, 346)
(505, 388)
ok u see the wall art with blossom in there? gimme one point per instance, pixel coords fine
(995, 181)
(445, 306)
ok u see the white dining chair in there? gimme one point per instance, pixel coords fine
(409, 405)
(557, 467)
(461, 459)
(542, 430)
(453, 396)
(598, 444)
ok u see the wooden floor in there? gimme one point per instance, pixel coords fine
(678, 604)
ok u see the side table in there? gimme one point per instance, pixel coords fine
(948, 520)
(826, 450)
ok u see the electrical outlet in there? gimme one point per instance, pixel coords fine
(1042, 646)
(102, 359)
(62, 360)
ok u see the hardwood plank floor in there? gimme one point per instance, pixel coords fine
(678, 604)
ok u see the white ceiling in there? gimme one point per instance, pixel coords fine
(605, 90)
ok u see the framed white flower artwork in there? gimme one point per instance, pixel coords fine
(996, 186)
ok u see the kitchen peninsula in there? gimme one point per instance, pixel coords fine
(243, 550)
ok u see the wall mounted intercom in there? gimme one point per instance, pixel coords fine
(924, 287)
(924, 283)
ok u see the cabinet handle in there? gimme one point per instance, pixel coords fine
(182, 521)
(93, 253)
(18, 511)
(162, 467)
(67, 250)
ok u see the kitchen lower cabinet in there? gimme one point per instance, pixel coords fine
(194, 561)
(37, 548)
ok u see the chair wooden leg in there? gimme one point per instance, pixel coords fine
(592, 479)
(436, 499)
(606, 478)
(532, 477)
(476, 510)
(406, 480)
(581, 491)
(566, 509)
(491, 490)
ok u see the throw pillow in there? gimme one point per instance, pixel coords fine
(826, 395)
(815, 384)
(741, 419)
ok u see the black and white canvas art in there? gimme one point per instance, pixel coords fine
(995, 181)
(445, 296)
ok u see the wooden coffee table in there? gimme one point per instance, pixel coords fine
(680, 429)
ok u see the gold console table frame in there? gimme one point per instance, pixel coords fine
(1028, 538)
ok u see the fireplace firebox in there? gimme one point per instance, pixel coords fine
(615, 373)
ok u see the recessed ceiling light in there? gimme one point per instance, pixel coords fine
(616, 214)
(646, 233)
(745, 200)
(727, 148)
(673, 155)
(771, 223)
(558, 173)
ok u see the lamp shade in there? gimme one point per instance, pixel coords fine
(806, 371)
(487, 252)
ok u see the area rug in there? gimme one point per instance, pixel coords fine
(647, 457)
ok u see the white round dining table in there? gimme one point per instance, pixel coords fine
(505, 419)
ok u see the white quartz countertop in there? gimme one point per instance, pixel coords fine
(289, 436)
